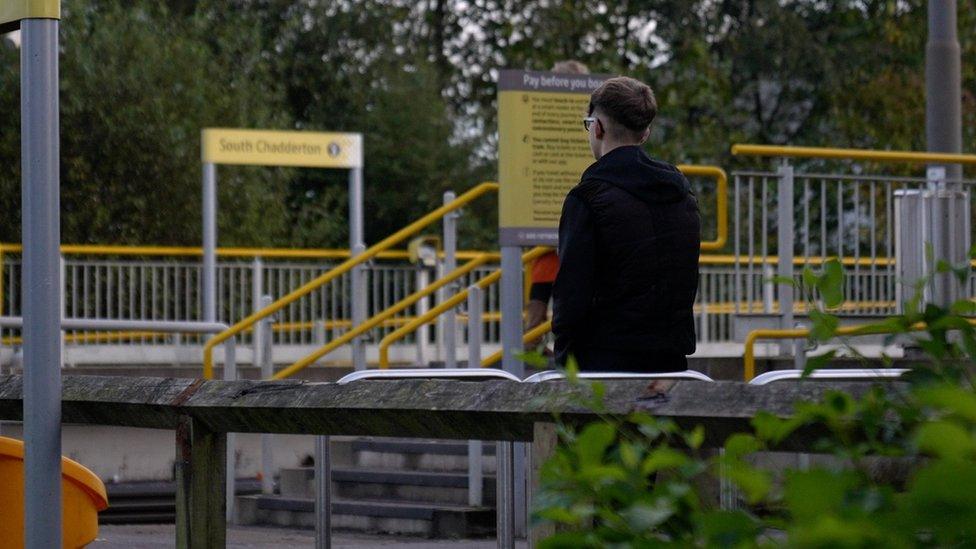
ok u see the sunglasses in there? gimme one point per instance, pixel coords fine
(588, 121)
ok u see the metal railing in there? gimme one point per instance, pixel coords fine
(721, 203)
(447, 305)
(785, 215)
(344, 267)
(749, 354)
(382, 316)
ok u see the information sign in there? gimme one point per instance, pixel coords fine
(12, 11)
(542, 150)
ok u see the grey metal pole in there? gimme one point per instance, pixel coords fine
(475, 447)
(41, 289)
(505, 513)
(943, 88)
(257, 289)
(511, 304)
(209, 242)
(943, 132)
(784, 205)
(358, 310)
(511, 332)
(357, 246)
(450, 263)
(423, 332)
(230, 374)
(267, 370)
(323, 493)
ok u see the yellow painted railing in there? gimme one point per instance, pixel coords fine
(743, 149)
(722, 207)
(447, 305)
(379, 318)
(341, 269)
(531, 335)
(749, 353)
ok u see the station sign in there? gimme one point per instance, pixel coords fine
(282, 148)
(542, 151)
(13, 11)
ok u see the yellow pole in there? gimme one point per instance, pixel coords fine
(742, 149)
(722, 206)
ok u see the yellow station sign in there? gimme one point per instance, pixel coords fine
(282, 148)
(13, 11)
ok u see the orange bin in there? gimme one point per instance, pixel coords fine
(82, 497)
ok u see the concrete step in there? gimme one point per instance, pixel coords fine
(385, 484)
(151, 502)
(415, 455)
(435, 521)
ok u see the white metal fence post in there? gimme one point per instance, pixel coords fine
(475, 447)
(230, 374)
(450, 263)
(784, 247)
(267, 370)
(323, 493)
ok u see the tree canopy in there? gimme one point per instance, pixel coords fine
(139, 80)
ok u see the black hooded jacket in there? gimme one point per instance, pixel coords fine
(629, 239)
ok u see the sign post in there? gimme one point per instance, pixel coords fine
(277, 148)
(40, 184)
(542, 152)
(280, 148)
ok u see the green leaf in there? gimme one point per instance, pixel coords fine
(569, 540)
(696, 437)
(593, 442)
(963, 307)
(572, 369)
(824, 326)
(729, 529)
(817, 492)
(771, 428)
(950, 398)
(945, 439)
(831, 284)
(661, 459)
(740, 445)
(533, 358)
(809, 278)
(782, 280)
(645, 516)
(818, 362)
(755, 484)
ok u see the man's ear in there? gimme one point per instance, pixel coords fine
(601, 130)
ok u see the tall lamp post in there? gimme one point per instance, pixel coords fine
(40, 184)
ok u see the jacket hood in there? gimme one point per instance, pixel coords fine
(632, 170)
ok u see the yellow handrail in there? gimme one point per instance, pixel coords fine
(341, 269)
(722, 208)
(531, 335)
(742, 149)
(380, 317)
(448, 304)
(749, 354)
